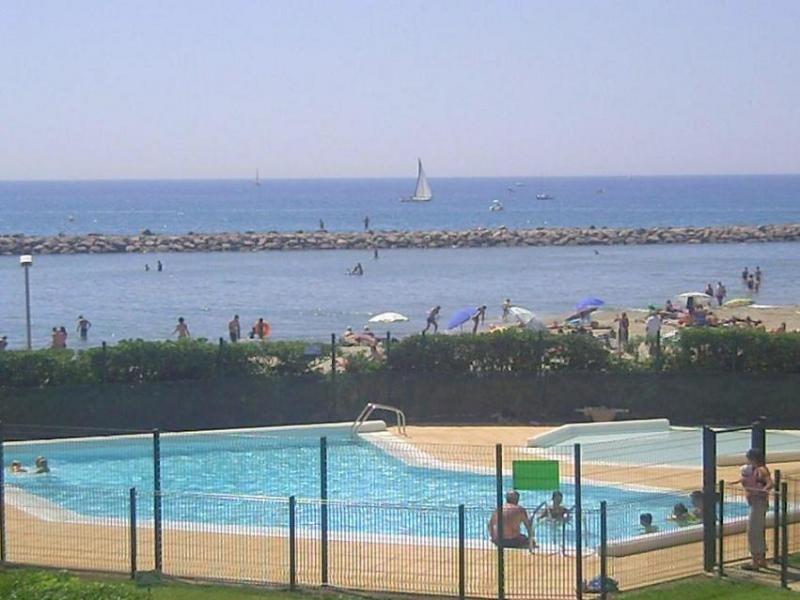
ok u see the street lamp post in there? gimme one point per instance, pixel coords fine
(26, 262)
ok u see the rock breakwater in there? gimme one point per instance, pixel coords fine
(147, 242)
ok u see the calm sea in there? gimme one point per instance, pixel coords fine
(307, 295)
(289, 205)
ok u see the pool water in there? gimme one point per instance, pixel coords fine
(204, 477)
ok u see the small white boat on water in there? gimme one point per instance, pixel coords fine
(544, 197)
(258, 179)
(496, 206)
(422, 192)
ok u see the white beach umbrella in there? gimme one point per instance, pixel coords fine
(388, 317)
(695, 295)
(527, 318)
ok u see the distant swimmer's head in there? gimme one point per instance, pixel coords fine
(41, 465)
(16, 467)
(349, 330)
(80, 317)
(180, 319)
(558, 497)
(755, 457)
(696, 498)
(680, 510)
(366, 328)
(512, 497)
(235, 317)
(645, 519)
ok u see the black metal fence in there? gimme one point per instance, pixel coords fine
(156, 507)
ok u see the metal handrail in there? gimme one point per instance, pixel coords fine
(370, 408)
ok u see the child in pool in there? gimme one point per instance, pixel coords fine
(681, 515)
(646, 521)
(16, 467)
(556, 511)
(41, 465)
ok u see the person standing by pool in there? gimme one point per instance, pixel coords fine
(182, 329)
(432, 320)
(720, 293)
(514, 516)
(234, 329)
(83, 327)
(757, 482)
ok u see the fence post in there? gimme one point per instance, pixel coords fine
(758, 437)
(323, 508)
(721, 558)
(603, 552)
(578, 524)
(784, 534)
(104, 366)
(776, 525)
(292, 543)
(132, 526)
(461, 553)
(157, 499)
(709, 503)
(2, 497)
(333, 355)
(501, 568)
(219, 356)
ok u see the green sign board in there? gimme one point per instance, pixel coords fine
(536, 475)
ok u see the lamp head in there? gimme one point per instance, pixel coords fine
(26, 260)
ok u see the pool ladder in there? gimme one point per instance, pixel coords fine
(372, 407)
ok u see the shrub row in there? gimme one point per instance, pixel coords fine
(137, 361)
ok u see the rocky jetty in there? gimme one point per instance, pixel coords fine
(145, 242)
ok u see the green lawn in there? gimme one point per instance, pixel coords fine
(35, 585)
(710, 589)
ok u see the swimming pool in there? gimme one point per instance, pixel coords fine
(207, 478)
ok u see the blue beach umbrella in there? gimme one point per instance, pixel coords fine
(588, 303)
(461, 317)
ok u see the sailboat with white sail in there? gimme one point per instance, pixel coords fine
(422, 193)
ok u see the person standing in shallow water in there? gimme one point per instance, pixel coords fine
(160, 267)
(366, 223)
(83, 327)
(234, 329)
(182, 329)
(478, 318)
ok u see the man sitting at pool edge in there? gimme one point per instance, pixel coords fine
(513, 517)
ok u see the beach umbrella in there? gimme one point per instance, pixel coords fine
(527, 318)
(388, 317)
(589, 303)
(461, 317)
(695, 295)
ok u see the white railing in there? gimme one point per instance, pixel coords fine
(372, 407)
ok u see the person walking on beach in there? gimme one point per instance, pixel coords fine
(720, 293)
(623, 330)
(432, 320)
(652, 330)
(514, 517)
(366, 223)
(181, 329)
(478, 318)
(757, 482)
(160, 267)
(234, 329)
(83, 327)
(375, 252)
(261, 329)
(709, 290)
(506, 309)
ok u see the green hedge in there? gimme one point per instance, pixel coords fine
(137, 361)
(44, 585)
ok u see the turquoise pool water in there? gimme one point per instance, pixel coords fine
(202, 473)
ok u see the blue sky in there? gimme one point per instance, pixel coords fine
(197, 89)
